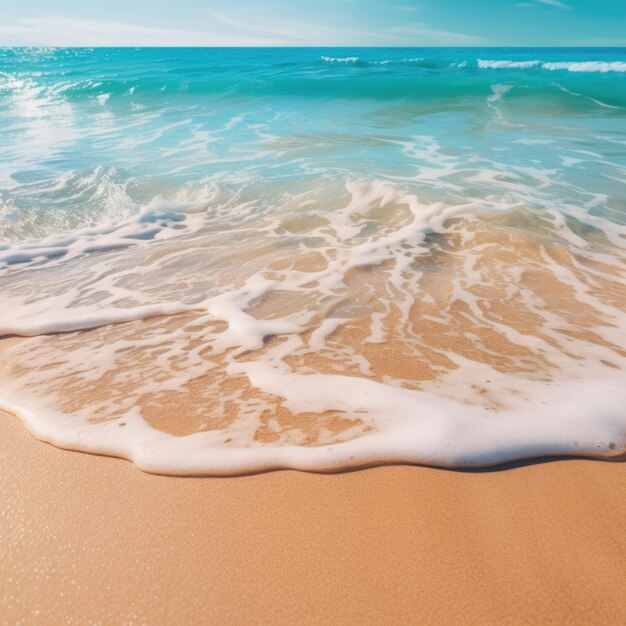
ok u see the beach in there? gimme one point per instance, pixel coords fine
(318, 335)
(92, 539)
(214, 262)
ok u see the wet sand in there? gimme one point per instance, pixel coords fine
(92, 539)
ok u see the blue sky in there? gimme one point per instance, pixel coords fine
(315, 22)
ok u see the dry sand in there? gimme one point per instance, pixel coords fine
(86, 539)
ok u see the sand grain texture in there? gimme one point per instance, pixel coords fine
(92, 539)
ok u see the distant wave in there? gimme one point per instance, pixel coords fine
(340, 59)
(390, 61)
(501, 65)
(588, 66)
(570, 66)
(491, 64)
(361, 62)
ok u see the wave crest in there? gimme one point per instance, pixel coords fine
(569, 66)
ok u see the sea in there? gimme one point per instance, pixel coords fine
(228, 260)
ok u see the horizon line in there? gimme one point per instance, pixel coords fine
(260, 47)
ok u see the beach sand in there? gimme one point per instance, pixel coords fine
(92, 539)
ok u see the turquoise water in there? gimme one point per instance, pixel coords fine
(121, 125)
(314, 258)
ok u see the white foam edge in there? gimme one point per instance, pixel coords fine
(152, 221)
(570, 66)
(583, 420)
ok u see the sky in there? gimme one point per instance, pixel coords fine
(314, 23)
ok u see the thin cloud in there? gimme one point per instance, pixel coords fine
(318, 34)
(64, 31)
(555, 3)
(552, 3)
(222, 30)
(287, 33)
(424, 35)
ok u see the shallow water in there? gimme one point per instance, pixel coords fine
(224, 260)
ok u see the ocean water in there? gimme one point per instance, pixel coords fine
(215, 261)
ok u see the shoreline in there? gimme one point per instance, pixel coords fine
(611, 454)
(314, 337)
(98, 539)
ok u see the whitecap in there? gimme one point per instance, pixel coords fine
(340, 59)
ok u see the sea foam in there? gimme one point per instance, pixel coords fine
(254, 263)
(569, 403)
(340, 59)
(569, 66)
